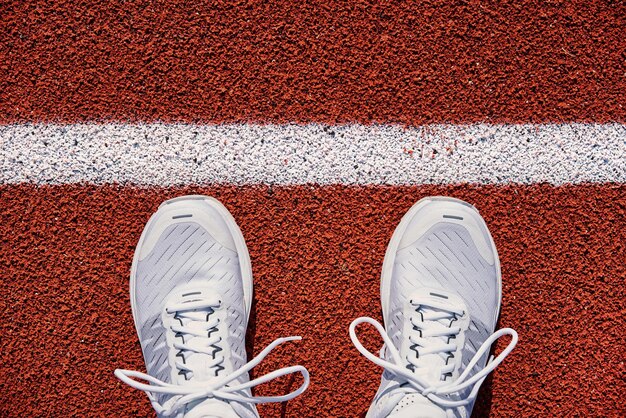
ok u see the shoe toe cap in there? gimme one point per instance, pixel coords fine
(457, 213)
(202, 210)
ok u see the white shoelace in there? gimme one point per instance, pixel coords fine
(436, 392)
(432, 324)
(217, 388)
(199, 312)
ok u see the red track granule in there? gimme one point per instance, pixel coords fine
(316, 253)
(331, 61)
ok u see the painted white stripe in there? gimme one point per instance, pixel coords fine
(172, 154)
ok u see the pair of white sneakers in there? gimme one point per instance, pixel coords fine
(191, 292)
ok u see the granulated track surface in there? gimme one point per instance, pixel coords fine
(334, 61)
(316, 254)
(317, 251)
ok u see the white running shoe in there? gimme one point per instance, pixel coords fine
(440, 292)
(191, 292)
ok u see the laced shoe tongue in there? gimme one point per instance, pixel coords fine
(197, 362)
(414, 405)
(211, 408)
(194, 306)
(433, 301)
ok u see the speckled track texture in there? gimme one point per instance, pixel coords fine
(316, 254)
(327, 61)
(66, 249)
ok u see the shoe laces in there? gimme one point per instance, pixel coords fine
(432, 334)
(430, 325)
(195, 321)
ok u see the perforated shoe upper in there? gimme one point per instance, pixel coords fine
(440, 288)
(191, 292)
(187, 245)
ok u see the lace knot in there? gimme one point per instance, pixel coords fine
(220, 389)
(437, 393)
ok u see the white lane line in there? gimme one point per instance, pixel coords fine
(175, 154)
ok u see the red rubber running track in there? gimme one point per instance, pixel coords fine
(316, 251)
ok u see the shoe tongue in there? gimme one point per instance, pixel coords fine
(433, 300)
(199, 362)
(196, 320)
(414, 405)
(211, 408)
